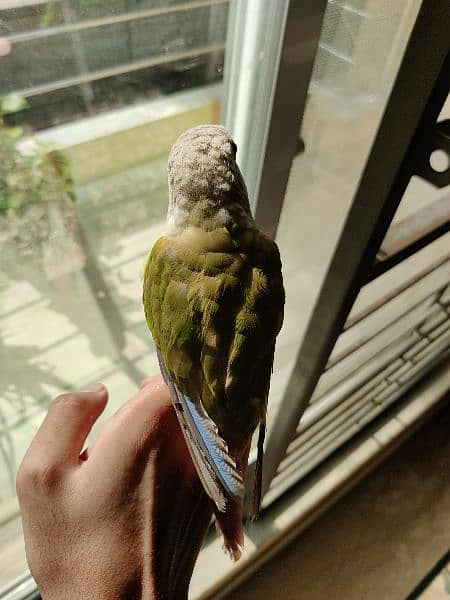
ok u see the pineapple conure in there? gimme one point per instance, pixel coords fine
(213, 299)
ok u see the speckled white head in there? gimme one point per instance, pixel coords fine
(205, 183)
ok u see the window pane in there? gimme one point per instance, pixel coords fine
(78, 68)
(360, 50)
(350, 84)
(111, 85)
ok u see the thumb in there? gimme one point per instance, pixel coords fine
(62, 435)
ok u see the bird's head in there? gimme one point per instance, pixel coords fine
(203, 174)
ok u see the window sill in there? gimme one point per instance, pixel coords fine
(99, 146)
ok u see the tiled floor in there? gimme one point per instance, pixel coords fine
(380, 540)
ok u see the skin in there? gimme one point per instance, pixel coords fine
(124, 518)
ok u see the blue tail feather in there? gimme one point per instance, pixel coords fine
(212, 447)
(225, 471)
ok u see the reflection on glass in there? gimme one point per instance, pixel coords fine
(72, 59)
(111, 85)
(360, 49)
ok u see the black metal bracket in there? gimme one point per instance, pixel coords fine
(438, 140)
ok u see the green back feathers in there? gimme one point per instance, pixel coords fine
(214, 304)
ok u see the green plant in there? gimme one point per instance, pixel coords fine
(32, 176)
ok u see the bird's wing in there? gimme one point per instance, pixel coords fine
(171, 289)
(251, 355)
(214, 316)
(209, 452)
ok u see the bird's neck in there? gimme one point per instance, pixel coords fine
(207, 215)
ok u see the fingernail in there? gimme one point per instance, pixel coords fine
(94, 387)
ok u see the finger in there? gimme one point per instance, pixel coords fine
(152, 391)
(69, 420)
(85, 455)
(146, 421)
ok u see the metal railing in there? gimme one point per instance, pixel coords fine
(82, 75)
(134, 15)
(154, 61)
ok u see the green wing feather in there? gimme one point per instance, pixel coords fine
(214, 304)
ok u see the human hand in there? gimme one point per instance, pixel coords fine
(123, 519)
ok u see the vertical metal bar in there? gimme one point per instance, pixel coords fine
(235, 33)
(298, 52)
(418, 94)
(255, 36)
(270, 53)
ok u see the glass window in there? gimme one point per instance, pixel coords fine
(360, 50)
(109, 86)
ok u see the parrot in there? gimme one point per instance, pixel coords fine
(213, 300)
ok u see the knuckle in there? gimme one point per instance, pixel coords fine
(34, 476)
(21, 481)
(50, 477)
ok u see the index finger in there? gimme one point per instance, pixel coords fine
(147, 421)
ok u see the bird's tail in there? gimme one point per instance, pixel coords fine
(213, 461)
(221, 469)
(229, 523)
